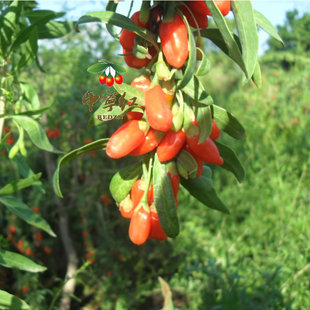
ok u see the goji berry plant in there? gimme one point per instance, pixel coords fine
(173, 129)
(21, 26)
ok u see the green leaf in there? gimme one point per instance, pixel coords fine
(257, 75)
(34, 112)
(30, 95)
(97, 67)
(27, 32)
(195, 90)
(119, 20)
(36, 133)
(202, 190)
(247, 30)
(228, 123)
(263, 23)
(204, 65)
(191, 62)
(186, 164)
(10, 259)
(93, 146)
(164, 199)
(122, 182)
(17, 185)
(35, 16)
(130, 92)
(166, 291)
(54, 29)
(8, 25)
(118, 68)
(3, 140)
(11, 302)
(233, 49)
(231, 161)
(25, 213)
(111, 6)
(203, 115)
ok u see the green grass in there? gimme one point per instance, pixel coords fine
(259, 256)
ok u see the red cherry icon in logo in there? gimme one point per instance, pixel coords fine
(109, 81)
(119, 79)
(102, 79)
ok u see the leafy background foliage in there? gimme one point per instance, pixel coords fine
(255, 258)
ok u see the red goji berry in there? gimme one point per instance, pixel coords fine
(157, 109)
(174, 41)
(171, 145)
(140, 225)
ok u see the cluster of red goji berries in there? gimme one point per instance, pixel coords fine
(10, 140)
(53, 133)
(160, 128)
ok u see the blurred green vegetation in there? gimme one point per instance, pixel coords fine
(258, 257)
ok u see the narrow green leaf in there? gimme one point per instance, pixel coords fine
(202, 190)
(118, 68)
(203, 115)
(204, 65)
(36, 133)
(263, 23)
(54, 29)
(17, 185)
(93, 146)
(195, 90)
(37, 15)
(119, 20)
(257, 75)
(97, 68)
(30, 95)
(11, 302)
(130, 92)
(25, 213)
(166, 291)
(33, 40)
(34, 112)
(164, 200)
(122, 182)
(26, 32)
(10, 259)
(247, 30)
(3, 140)
(191, 62)
(228, 123)
(186, 165)
(111, 6)
(231, 161)
(232, 46)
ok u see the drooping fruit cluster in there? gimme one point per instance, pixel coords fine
(165, 133)
(171, 124)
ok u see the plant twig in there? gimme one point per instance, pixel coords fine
(72, 259)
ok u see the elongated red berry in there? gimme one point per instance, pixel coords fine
(140, 225)
(129, 136)
(215, 133)
(174, 41)
(150, 142)
(171, 145)
(157, 109)
(156, 232)
(206, 151)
